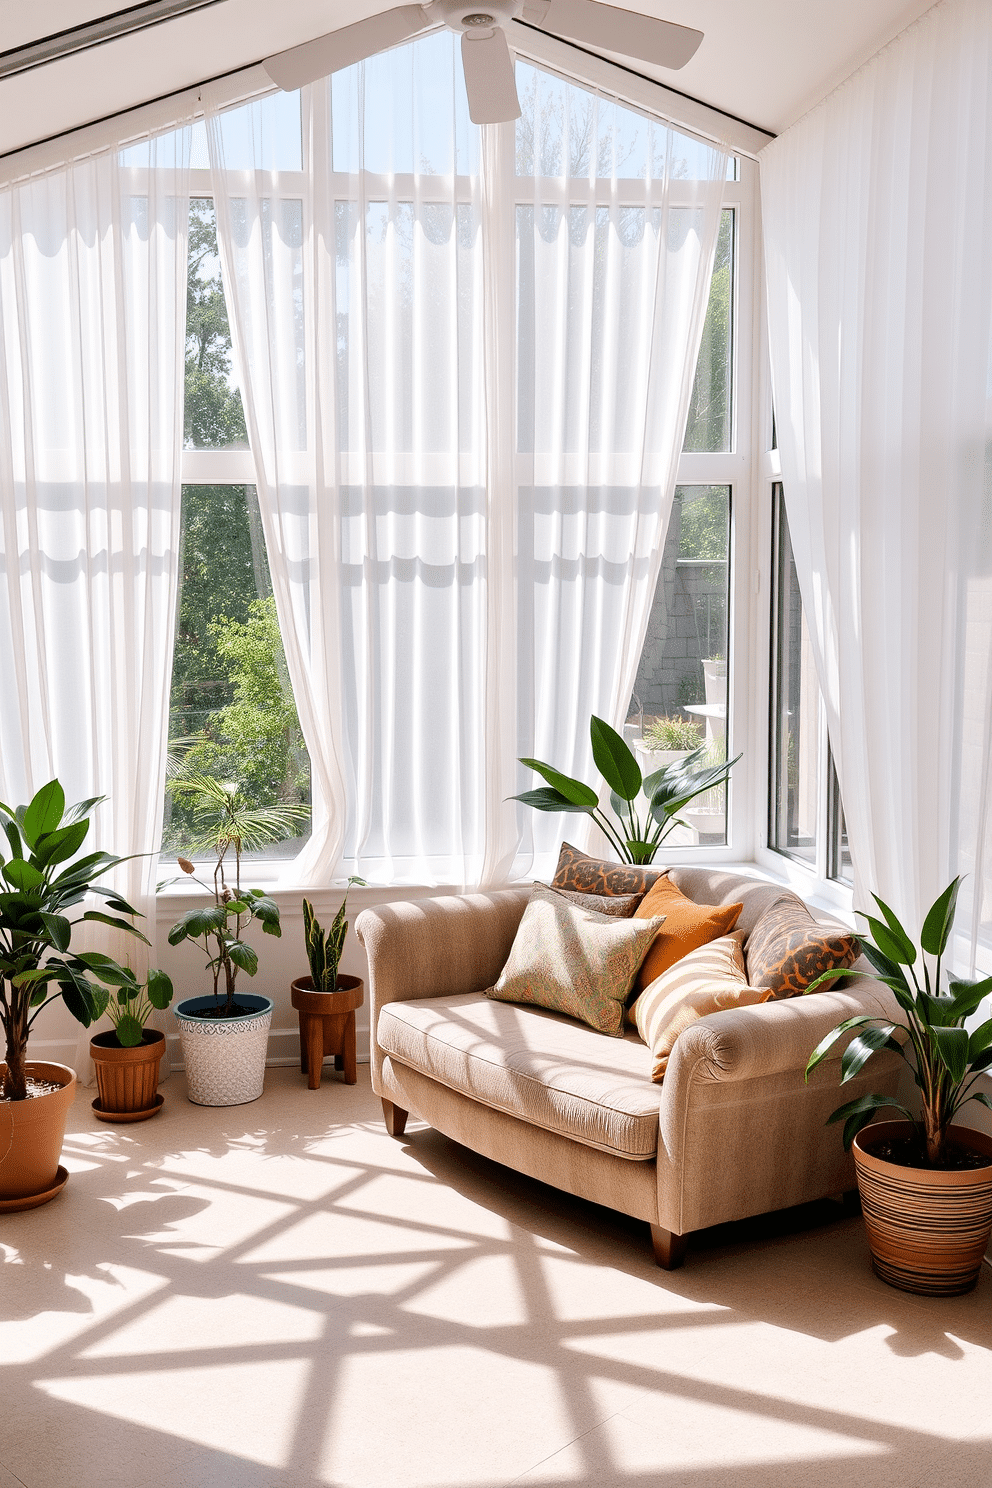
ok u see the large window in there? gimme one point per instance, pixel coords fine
(680, 695)
(232, 713)
(606, 209)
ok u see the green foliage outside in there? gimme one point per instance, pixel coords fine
(708, 424)
(232, 713)
(213, 415)
(704, 530)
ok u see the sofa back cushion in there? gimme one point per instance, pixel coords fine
(716, 886)
(575, 961)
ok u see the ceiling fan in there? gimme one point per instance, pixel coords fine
(486, 60)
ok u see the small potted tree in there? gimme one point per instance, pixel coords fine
(43, 879)
(326, 999)
(926, 1184)
(224, 1035)
(128, 1056)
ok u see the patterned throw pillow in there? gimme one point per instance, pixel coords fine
(577, 870)
(574, 961)
(788, 949)
(707, 980)
(687, 926)
(617, 906)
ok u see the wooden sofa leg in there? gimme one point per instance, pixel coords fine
(394, 1117)
(669, 1249)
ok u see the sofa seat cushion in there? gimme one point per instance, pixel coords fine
(537, 1066)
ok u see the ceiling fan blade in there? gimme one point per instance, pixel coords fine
(489, 82)
(327, 54)
(625, 31)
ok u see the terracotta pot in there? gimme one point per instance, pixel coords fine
(127, 1079)
(224, 1057)
(927, 1229)
(31, 1133)
(327, 1026)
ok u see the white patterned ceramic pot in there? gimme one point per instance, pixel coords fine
(224, 1057)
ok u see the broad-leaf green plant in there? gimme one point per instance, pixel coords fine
(226, 822)
(43, 879)
(324, 948)
(945, 1058)
(130, 1007)
(635, 835)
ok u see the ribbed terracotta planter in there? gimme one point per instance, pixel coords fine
(127, 1079)
(927, 1229)
(31, 1133)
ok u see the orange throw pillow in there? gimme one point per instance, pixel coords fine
(687, 927)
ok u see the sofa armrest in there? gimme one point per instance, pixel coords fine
(771, 1037)
(734, 1102)
(436, 948)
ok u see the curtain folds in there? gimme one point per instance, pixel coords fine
(877, 212)
(466, 358)
(92, 314)
(617, 217)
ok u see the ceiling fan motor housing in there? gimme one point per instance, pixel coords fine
(478, 15)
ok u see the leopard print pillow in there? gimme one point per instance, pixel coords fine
(577, 870)
(787, 949)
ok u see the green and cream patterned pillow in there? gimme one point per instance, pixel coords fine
(575, 961)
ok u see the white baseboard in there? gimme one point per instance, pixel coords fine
(283, 1049)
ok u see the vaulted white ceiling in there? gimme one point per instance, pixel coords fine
(765, 61)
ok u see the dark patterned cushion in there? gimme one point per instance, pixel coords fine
(577, 870)
(787, 950)
(617, 906)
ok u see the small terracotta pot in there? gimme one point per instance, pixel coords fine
(127, 1079)
(928, 1229)
(31, 1133)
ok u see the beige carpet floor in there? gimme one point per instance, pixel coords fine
(279, 1294)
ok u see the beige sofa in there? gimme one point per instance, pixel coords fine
(733, 1131)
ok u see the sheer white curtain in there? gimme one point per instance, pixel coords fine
(466, 380)
(877, 211)
(356, 318)
(92, 312)
(617, 218)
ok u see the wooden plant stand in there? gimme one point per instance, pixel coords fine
(327, 1026)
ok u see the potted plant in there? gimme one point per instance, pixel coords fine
(926, 1184)
(665, 741)
(43, 878)
(326, 999)
(224, 1036)
(127, 1057)
(667, 791)
(715, 678)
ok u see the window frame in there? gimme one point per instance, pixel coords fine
(735, 468)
